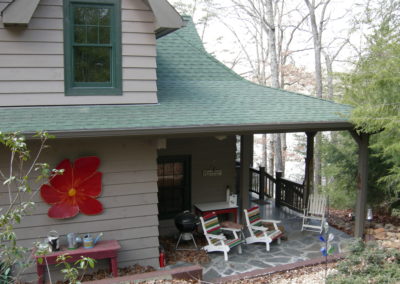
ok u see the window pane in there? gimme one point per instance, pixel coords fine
(104, 33)
(104, 17)
(80, 34)
(92, 35)
(79, 15)
(91, 16)
(92, 64)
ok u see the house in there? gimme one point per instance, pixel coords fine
(130, 82)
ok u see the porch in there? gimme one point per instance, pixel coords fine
(299, 246)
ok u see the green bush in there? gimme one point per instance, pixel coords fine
(340, 162)
(367, 263)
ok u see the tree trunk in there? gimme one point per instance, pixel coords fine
(278, 153)
(284, 148)
(264, 142)
(270, 24)
(316, 35)
(329, 73)
(272, 44)
(271, 168)
(317, 41)
(317, 162)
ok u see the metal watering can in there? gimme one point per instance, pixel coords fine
(89, 242)
(73, 240)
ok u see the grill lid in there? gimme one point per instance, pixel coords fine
(186, 222)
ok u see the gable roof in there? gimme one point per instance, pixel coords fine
(197, 94)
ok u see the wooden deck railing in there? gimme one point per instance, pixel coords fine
(262, 183)
(289, 193)
(286, 192)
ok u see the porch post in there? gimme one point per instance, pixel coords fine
(362, 182)
(246, 158)
(261, 183)
(309, 169)
(278, 189)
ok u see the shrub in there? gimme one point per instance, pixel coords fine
(367, 263)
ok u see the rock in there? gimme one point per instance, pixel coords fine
(390, 244)
(379, 230)
(378, 225)
(369, 231)
(392, 235)
(390, 227)
(380, 236)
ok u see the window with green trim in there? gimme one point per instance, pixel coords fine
(92, 46)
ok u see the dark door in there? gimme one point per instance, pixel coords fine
(173, 185)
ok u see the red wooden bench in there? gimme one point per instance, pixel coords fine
(102, 250)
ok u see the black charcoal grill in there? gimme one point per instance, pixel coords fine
(186, 223)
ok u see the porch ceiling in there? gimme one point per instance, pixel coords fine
(197, 95)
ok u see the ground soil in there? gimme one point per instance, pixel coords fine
(343, 220)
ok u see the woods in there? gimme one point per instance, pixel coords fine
(346, 52)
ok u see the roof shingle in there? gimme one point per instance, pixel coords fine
(194, 91)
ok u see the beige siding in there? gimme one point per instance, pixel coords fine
(32, 61)
(129, 198)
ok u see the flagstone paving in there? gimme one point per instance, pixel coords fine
(300, 245)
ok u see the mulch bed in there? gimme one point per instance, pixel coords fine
(188, 254)
(104, 274)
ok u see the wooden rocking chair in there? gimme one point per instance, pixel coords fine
(314, 214)
(215, 238)
(259, 233)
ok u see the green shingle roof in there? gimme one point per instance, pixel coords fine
(196, 94)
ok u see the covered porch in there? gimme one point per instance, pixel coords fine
(277, 197)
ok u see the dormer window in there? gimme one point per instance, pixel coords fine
(92, 45)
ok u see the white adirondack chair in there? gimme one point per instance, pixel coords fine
(216, 239)
(259, 233)
(314, 214)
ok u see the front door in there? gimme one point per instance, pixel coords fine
(173, 185)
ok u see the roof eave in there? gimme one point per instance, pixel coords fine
(202, 130)
(167, 18)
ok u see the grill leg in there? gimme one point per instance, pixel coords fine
(194, 241)
(179, 240)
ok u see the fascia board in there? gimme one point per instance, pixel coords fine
(204, 130)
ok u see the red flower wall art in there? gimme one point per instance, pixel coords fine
(75, 190)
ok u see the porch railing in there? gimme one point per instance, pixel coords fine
(286, 193)
(289, 193)
(262, 183)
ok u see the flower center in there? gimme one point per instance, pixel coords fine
(72, 192)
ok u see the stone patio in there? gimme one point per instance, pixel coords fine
(298, 246)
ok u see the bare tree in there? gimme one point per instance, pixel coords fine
(317, 28)
(269, 25)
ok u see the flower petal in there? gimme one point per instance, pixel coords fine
(89, 206)
(50, 195)
(63, 182)
(91, 186)
(84, 168)
(63, 210)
